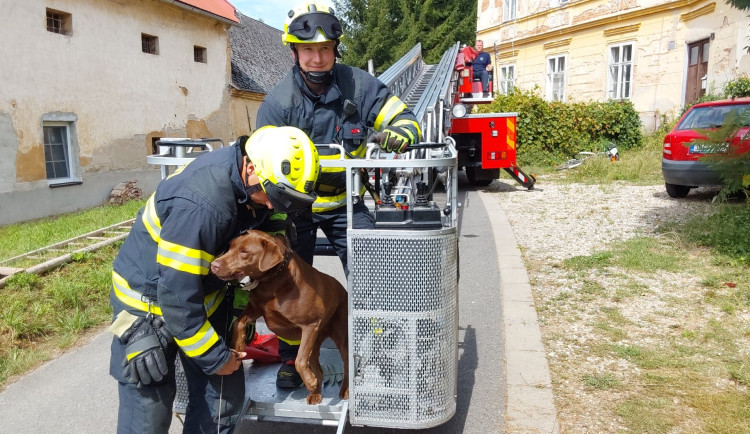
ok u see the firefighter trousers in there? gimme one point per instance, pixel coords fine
(215, 401)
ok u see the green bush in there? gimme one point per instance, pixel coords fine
(551, 131)
(738, 87)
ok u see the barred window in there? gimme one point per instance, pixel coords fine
(199, 54)
(59, 22)
(149, 44)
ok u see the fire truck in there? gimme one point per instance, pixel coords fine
(444, 98)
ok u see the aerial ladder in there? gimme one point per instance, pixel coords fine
(442, 97)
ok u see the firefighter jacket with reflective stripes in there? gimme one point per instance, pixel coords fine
(164, 263)
(322, 117)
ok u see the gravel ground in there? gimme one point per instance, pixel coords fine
(556, 221)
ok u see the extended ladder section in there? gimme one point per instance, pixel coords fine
(426, 89)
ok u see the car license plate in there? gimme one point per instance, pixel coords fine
(708, 149)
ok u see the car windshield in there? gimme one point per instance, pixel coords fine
(714, 117)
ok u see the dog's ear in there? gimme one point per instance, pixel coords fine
(272, 254)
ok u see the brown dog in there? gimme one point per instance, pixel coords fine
(297, 302)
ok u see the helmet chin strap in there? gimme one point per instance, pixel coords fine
(250, 189)
(318, 77)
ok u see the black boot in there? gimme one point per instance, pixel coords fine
(288, 377)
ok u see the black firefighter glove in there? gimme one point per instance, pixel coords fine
(395, 139)
(146, 343)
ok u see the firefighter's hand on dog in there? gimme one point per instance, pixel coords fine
(234, 363)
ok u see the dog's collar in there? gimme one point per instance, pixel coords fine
(248, 284)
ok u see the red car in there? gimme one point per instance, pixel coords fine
(679, 164)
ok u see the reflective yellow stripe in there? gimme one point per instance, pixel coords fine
(327, 203)
(390, 109)
(183, 258)
(511, 124)
(212, 301)
(133, 298)
(151, 220)
(289, 341)
(129, 297)
(130, 356)
(179, 169)
(409, 124)
(200, 342)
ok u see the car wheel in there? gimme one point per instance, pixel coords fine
(677, 191)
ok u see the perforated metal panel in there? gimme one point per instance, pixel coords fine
(403, 327)
(182, 397)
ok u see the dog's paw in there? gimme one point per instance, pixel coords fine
(314, 398)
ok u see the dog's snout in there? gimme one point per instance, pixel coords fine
(215, 266)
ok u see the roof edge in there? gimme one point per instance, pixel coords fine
(226, 18)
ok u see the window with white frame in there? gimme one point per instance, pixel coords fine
(510, 8)
(60, 152)
(620, 76)
(506, 75)
(556, 78)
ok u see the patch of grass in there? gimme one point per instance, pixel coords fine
(24, 237)
(647, 254)
(636, 254)
(616, 334)
(24, 281)
(722, 412)
(597, 260)
(647, 415)
(614, 315)
(640, 166)
(724, 231)
(592, 287)
(646, 358)
(629, 289)
(603, 381)
(39, 318)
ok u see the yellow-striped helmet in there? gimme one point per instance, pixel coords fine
(311, 22)
(287, 164)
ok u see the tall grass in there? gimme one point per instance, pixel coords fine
(24, 237)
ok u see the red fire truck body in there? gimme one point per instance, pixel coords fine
(486, 142)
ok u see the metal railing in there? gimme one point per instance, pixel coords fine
(400, 75)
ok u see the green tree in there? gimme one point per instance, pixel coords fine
(385, 30)
(739, 4)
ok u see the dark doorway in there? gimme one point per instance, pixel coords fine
(697, 70)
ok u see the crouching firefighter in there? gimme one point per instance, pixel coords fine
(332, 103)
(166, 304)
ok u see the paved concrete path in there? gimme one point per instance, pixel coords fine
(503, 379)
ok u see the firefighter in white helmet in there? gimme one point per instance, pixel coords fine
(165, 302)
(332, 103)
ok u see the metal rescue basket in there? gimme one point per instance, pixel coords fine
(403, 290)
(403, 303)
